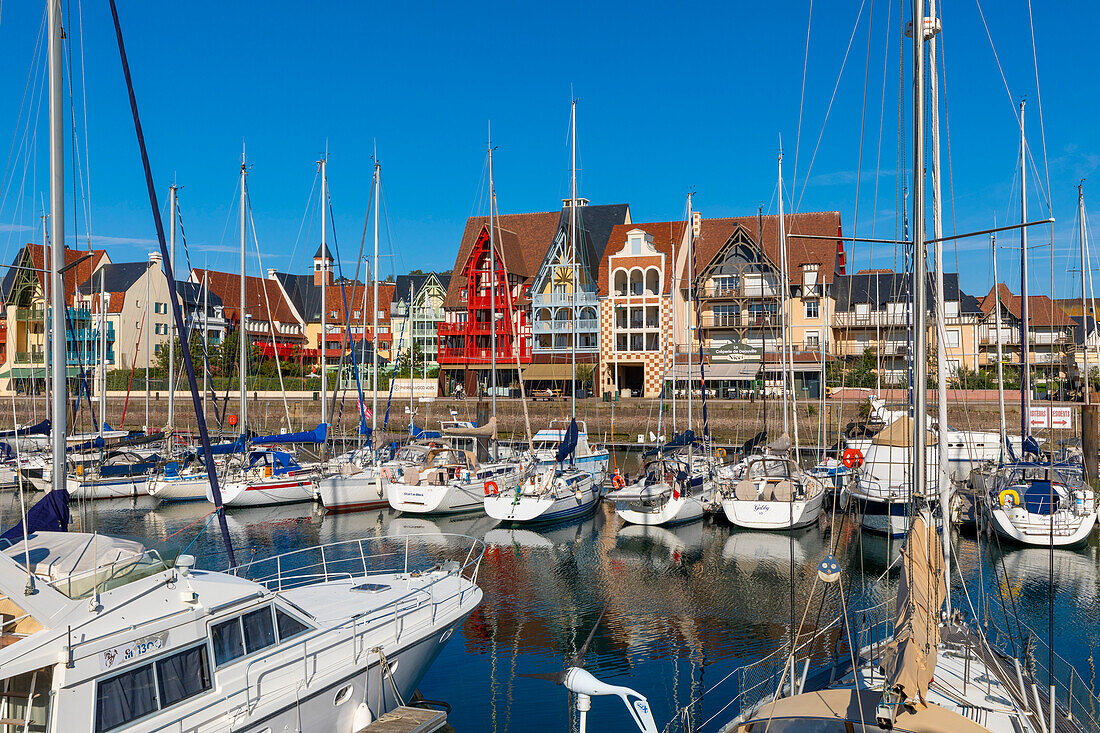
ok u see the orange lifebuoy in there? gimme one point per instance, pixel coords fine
(617, 481)
(853, 458)
(491, 488)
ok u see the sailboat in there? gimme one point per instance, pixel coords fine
(771, 491)
(678, 479)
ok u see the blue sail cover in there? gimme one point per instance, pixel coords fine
(1031, 445)
(42, 428)
(421, 434)
(221, 449)
(568, 441)
(318, 435)
(50, 514)
(679, 440)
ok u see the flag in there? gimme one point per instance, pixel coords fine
(363, 409)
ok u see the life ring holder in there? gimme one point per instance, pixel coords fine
(491, 488)
(853, 458)
(1005, 493)
(617, 481)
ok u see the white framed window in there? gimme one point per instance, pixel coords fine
(813, 339)
(813, 309)
(954, 338)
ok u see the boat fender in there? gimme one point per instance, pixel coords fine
(386, 473)
(617, 481)
(491, 488)
(721, 453)
(579, 494)
(853, 458)
(1005, 494)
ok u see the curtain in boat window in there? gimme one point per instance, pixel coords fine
(125, 697)
(182, 675)
(288, 625)
(228, 644)
(259, 631)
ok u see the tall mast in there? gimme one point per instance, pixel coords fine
(242, 317)
(920, 258)
(60, 405)
(687, 311)
(149, 337)
(492, 289)
(783, 302)
(205, 339)
(1084, 296)
(1025, 336)
(102, 355)
(943, 482)
(172, 204)
(1000, 355)
(324, 288)
(46, 360)
(573, 256)
(374, 307)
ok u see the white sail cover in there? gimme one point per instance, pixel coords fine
(910, 658)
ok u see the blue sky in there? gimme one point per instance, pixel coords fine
(672, 98)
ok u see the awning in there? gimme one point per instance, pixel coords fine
(548, 372)
(284, 350)
(799, 366)
(736, 372)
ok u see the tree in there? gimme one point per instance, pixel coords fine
(409, 358)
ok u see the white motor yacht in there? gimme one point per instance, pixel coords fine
(593, 460)
(323, 639)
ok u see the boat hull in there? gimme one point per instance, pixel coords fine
(445, 499)
(189, 488)
(363, 490)
(773, 515)
(1033, 530)
(266, 492)
(120, 488)
(579, 498)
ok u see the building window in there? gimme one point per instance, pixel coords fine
(813, 339)
(813, 309)
(953, 338)
(724, 285)
(462, 294)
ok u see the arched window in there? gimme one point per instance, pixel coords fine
(652, 281)
(544, 314)
(636, 281)
(620, 280)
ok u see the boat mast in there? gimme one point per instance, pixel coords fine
(1084, 297)
(374, 308)
(1000, 355)
(205, 338)
(689, 266)
(60, 405)
(102, 355)
(149, 325)
(1025, 355)
(573, 257)
(172, 205)
(943, 480)
(242, 334)
(324, 289)
(46, 361)
(920, 258)
(492, 290)
(787, 370)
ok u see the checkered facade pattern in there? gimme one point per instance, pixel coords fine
(653, 363)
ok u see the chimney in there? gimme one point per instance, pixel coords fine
(154, 258)
(271, 273)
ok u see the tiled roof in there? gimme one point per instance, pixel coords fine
(79, 274)
(114, 278)
(522, 243)
(227, 286)
(664, 233)
(1041, 310)
(714, 234)
(357, 295)
(881, 287)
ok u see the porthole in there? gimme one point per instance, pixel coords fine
(343, 695)
(446, 635)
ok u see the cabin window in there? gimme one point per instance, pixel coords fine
(143, 690)
(183, 675)
(125, 697)
(228, 642)
(259, 631)
(289, 626)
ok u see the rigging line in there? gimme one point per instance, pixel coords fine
(828, 110)
(1039, 99)
(863, 119)
(78, 171)
(1000, 69)
(32, 74)
(87, 177)
(881, 121)
(307, 210)
(802, 97)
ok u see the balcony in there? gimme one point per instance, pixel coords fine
(851, 319)
(29, 314)
(479, 355)
(29, 357)
(584, 325)
(739, 320)
(563, 300)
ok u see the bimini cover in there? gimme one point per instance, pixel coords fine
(318, 435)
(49, 514)
(1037, 498)
(899, 434)
(679, 440)
(488, 430)
(910, 658)
(57, 555)
(221, 449)
(280, 462)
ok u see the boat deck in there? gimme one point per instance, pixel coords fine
(408, 720)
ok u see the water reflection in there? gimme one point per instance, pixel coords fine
(685, 605)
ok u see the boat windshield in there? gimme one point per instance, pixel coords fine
(768, 467)
(412, 456)
(107, 577)
(449, 458)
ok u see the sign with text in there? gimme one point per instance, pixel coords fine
(1059, 418)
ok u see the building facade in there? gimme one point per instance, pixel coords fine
(416, 310)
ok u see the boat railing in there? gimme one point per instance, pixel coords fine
(406, 553)
(817, 652)
(1076, 697)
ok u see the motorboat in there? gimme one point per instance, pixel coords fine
(326, 638)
